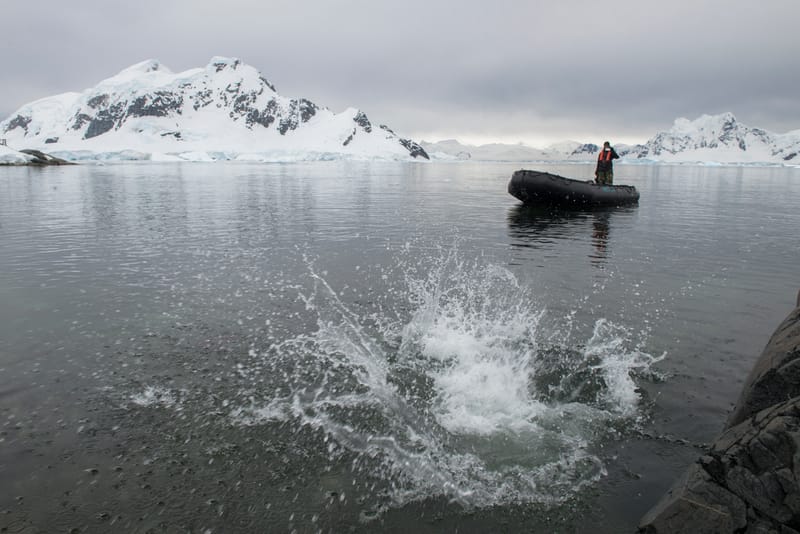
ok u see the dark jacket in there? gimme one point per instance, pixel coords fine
(604, 162)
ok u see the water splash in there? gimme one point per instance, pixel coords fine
(460, 390)
(155, 396)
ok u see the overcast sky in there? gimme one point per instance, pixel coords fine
(478, 71)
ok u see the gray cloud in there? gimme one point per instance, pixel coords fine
(509, 70)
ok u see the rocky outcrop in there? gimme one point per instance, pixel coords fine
(775, 377)
(40, 158)
(749, 481)
(11, 157)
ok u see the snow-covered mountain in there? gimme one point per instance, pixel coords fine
(226, 110)
(721, 138)
(709, 138)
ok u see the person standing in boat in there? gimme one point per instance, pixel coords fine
(604, 174)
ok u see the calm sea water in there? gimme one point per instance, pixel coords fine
(372, 347)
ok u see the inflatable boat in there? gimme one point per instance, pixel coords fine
(543, 188)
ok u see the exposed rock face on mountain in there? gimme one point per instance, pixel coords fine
(227, 108)
(749, 481)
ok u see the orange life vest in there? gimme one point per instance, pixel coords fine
(605, 155)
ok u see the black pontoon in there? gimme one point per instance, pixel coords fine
(543, 188)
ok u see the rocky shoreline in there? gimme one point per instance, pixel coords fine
(749, 480)
(35, 158)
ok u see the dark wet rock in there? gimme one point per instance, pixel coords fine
(750, 479)
(776, 375)
(697, 504)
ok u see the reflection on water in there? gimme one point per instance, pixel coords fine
(600, 238)
(541, 227)
(535, 227)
